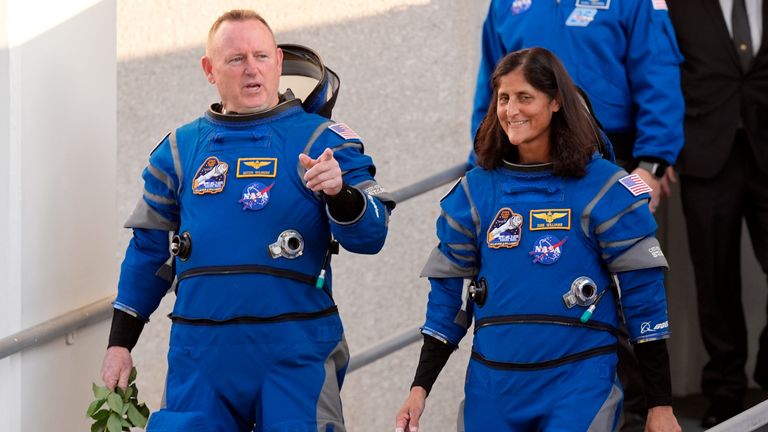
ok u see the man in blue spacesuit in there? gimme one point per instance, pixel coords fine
(622, 53)
(544, 228)
(256, 192)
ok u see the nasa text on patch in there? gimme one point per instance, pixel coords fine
(520, 6)
(549, 219)
(547, 249)
(256, 167)
(255, 196)
(505, 230)
(211, 177)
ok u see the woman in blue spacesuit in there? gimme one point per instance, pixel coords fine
(559, 245)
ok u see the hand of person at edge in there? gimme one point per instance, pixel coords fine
(661, 419)
(654, 183)
(667, 181)
(116, 368)
(323, 174)
(407, 419)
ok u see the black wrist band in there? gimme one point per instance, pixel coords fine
(434, 356)
(347, 205)
(125, 330)
(653, 359)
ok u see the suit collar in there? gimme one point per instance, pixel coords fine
(716, 12)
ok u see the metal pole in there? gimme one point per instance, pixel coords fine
(385, 348)
(429, 183)
(60, 326)
(746, 421)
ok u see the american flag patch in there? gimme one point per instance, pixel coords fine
(344, 131)
(659, 4)
(635, 184)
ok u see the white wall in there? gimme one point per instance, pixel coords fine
(58, 218)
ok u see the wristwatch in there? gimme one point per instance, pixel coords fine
(656, 168)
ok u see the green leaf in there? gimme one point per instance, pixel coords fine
(115, 402)
(144, 410)
(136, 417)
(114, 424)
(99, 392)
(99, 426)
(101, 415)
(125, 409)
(94, 406)
(132, 378)
(128, 393)
(125, 424)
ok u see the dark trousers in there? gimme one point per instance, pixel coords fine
(714, 209)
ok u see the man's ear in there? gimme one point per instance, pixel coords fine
(207, 69)
(280, 61)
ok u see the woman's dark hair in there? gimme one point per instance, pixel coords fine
(573, 133)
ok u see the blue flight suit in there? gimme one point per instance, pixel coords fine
(255, 345)
(623, 53)
(530, 234)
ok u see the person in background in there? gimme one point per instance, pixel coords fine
(545, 228)
(255, 192)
(724, 180)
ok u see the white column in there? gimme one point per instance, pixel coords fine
(10, 208)
(57, 199)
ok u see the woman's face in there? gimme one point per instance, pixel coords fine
(525, 114)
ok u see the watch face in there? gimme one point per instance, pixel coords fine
(655, 168)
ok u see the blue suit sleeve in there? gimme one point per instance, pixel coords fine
(624, 230)
(453, 260)
(653, 68)
(644, 303)
(139, 291)
(365, 234)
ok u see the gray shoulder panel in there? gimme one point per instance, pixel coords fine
(585, 215)
(472, 208)
(645, 254)
(176, 160)
(144, 216)
(439, 266)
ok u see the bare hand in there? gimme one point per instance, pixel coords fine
(667, 181)
(116, 368)
(323, 174)
(653, 182)
(407, 419)
(661, 419)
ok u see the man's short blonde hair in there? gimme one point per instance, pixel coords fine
(237, 15)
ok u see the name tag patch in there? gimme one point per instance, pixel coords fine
(548, 219)
(595, 4)
(256, 167)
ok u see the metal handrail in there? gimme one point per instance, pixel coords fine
(63, 324)
(101, 310)
(746, 421)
